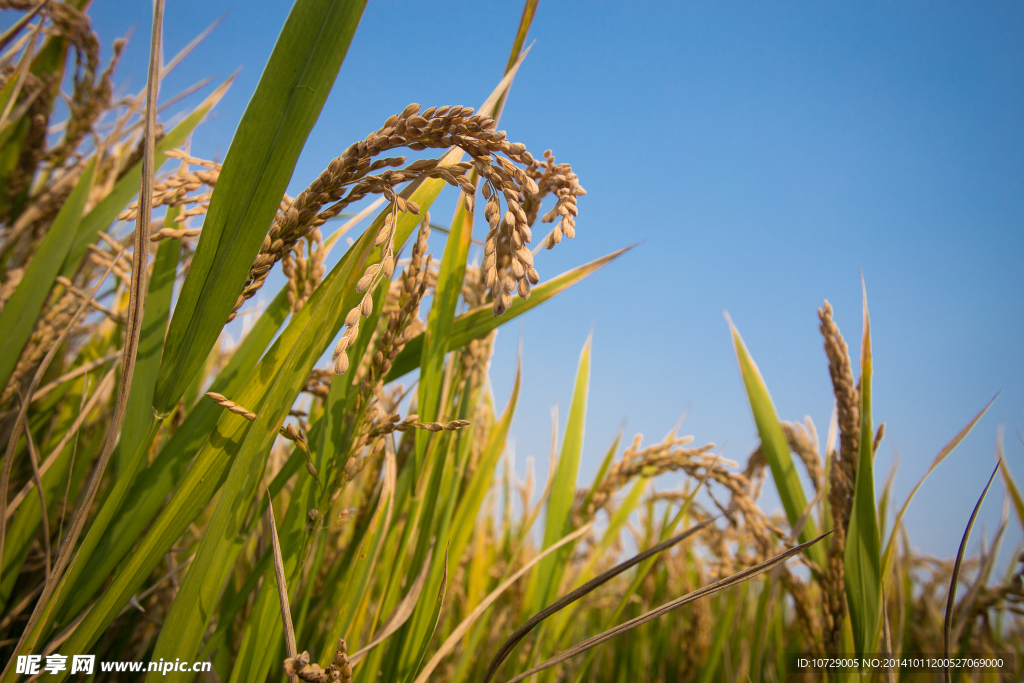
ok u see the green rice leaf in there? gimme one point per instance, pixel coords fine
(256, 171)
(440, 322)
(479, 322)
(774, 445)
(1011, 488)
(340, 418)
(863, 556)
(18, 317)
(356, 591)
(152, 486)
(563, 486)
(234, 601)
(263, 627)
(425, 643)
(483, 476)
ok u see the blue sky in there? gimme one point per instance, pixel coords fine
(764, 154)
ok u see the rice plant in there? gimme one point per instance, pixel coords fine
(330, 499)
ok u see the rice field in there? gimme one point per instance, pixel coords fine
(329, 497)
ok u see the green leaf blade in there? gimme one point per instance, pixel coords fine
(774, 445)
(470, 503)
(18, 317)
(273, 130)
(863, 557)
(152, 486)
(440, 322)
(479, 322)
(563, 485)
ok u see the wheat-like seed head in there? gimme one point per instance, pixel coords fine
(177, 189)
(843, 473)
(350, 177)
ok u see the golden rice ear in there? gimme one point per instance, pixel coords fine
(842, 472)
(345, 181)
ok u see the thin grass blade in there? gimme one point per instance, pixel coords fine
(739, 577)
(7, 36)
(890, 547)
(589, 586)
(139, 416)
(1011, 488)
(282, 583)
(425, 643)
(955, 578)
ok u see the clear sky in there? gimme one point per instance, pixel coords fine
(764, 154)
